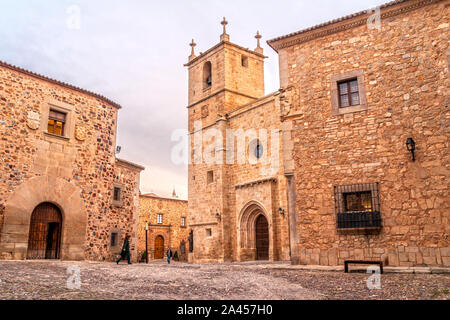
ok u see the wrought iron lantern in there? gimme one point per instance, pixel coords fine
(281, 211)
(411, 146)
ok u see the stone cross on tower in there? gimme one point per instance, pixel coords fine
(192, 56)
(224, 36)
(258, 44)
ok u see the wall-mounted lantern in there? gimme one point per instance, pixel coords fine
(411, 146)
(281, 211)
(218, 216)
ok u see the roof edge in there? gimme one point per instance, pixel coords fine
(388, 9)
(59, 83)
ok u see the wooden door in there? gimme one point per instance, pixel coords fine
(45, 232)
(159, 247)
(262, 238)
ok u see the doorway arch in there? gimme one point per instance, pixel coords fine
(44, 239)
(254, 233)
(159, 247)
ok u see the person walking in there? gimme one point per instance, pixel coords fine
(169, 255)
(125, 250)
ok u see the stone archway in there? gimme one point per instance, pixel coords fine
(20, 206)
(252, 215)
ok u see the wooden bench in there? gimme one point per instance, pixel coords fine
(347, 262)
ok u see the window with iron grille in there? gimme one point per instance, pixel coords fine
(183, 222)
(56, 122)
(357, 206)
(160, 219)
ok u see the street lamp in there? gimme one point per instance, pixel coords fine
(146, 242)
(411, 146)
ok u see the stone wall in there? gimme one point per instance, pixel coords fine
(405, 69)
(171, 229)
(75, 171)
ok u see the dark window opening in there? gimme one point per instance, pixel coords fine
(56, 122)
(114, 239)
(244, 61)
(348, 93)
(210, 177)
(116, 194)
(207, 75)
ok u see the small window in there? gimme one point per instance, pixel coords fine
(210, 177)
(114, 237)
(56, 122)
(208, 232)
(244, 61)
(117, 193)
(183, 222)
(348, 93)
(160, 219)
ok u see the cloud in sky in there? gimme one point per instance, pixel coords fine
(133, 53)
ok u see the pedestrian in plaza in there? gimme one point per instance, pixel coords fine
(169, 255)
(125, 250)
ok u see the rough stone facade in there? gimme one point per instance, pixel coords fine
(170, 229)
(403, 72)
(229, 189)
(326, 154)
(75, 171)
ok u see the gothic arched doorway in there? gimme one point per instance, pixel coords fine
(159, 247)
(262, 238)
(44, 240)
(254, 233)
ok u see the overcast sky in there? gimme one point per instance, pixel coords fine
(133, 53)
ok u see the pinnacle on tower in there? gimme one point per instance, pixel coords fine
(258, 46)
(192, 56)
(224, 36)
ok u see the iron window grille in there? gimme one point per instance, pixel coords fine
(357, 206)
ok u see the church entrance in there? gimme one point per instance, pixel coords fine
(44, 239)
(262, 238)
(159, 247)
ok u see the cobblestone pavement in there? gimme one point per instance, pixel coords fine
(157, 280)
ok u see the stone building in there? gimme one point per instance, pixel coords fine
(63, 193)
(344, 185)
(237, 190)
(165, 222)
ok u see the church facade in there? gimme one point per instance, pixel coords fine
(347, 161)
(63, 193)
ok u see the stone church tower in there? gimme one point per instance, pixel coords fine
(235, 194)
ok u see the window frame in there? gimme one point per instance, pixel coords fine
(183, 222)
(117, 203)
(349, 93)
(335, 93)
(158, 220)
(55, 121)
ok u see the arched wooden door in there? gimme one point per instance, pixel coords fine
(262, 238)
(159, 247)
(44, 239)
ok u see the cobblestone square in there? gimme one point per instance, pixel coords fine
(25, 280)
